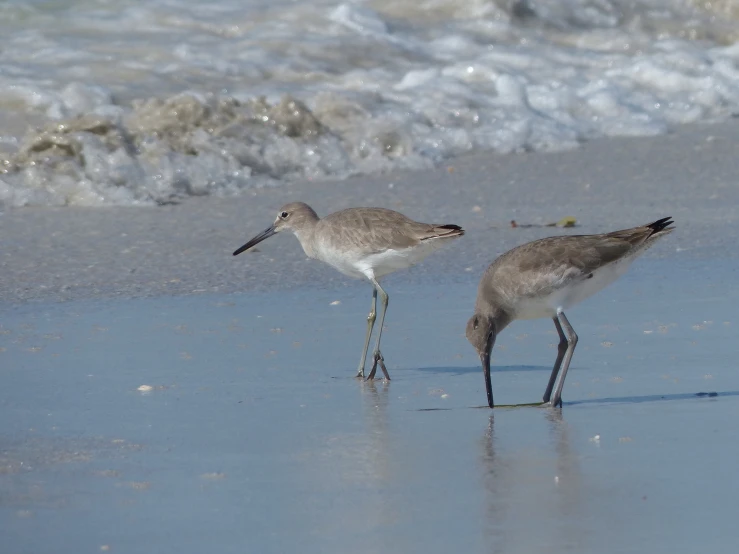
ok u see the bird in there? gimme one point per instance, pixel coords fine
(361, 243)
(544, 278)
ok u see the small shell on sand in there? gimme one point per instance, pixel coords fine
(214, 475)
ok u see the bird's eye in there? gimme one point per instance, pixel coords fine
(475, 323)
(284, 215)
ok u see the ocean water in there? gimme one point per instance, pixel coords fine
(136, 103)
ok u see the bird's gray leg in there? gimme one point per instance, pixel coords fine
(370, 324)
(561, 348)
(571, 344)
(376, 355)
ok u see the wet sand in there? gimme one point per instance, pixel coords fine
(71, 253)
(255, 437)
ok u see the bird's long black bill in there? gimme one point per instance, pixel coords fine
(268, 232)
(485, 359)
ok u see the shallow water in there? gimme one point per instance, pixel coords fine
(255, 436)
(127, 103)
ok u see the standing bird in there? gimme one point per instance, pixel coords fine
(361, 242)
(545, 277)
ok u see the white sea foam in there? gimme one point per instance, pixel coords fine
(142, 103)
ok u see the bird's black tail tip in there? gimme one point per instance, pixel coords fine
(453, 230)
(661, 225)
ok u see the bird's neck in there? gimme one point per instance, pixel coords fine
(306, 235)
(499, 317)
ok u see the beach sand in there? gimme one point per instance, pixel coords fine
(250, 433)
(691, 175)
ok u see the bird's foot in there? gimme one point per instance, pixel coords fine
(378, 359)
(360, 373)
(552, 404)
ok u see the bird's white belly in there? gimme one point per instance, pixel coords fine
(345, 262)
(570, 294)
(379, 264)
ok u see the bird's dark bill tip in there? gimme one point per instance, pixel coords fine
(268, 232)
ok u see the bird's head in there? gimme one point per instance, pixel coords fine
(295, 217)
(481, 334)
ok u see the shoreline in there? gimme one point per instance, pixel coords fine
(183, 419)
(59, 254)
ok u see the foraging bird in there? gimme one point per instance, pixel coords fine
(545, 277)
(361, 242)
